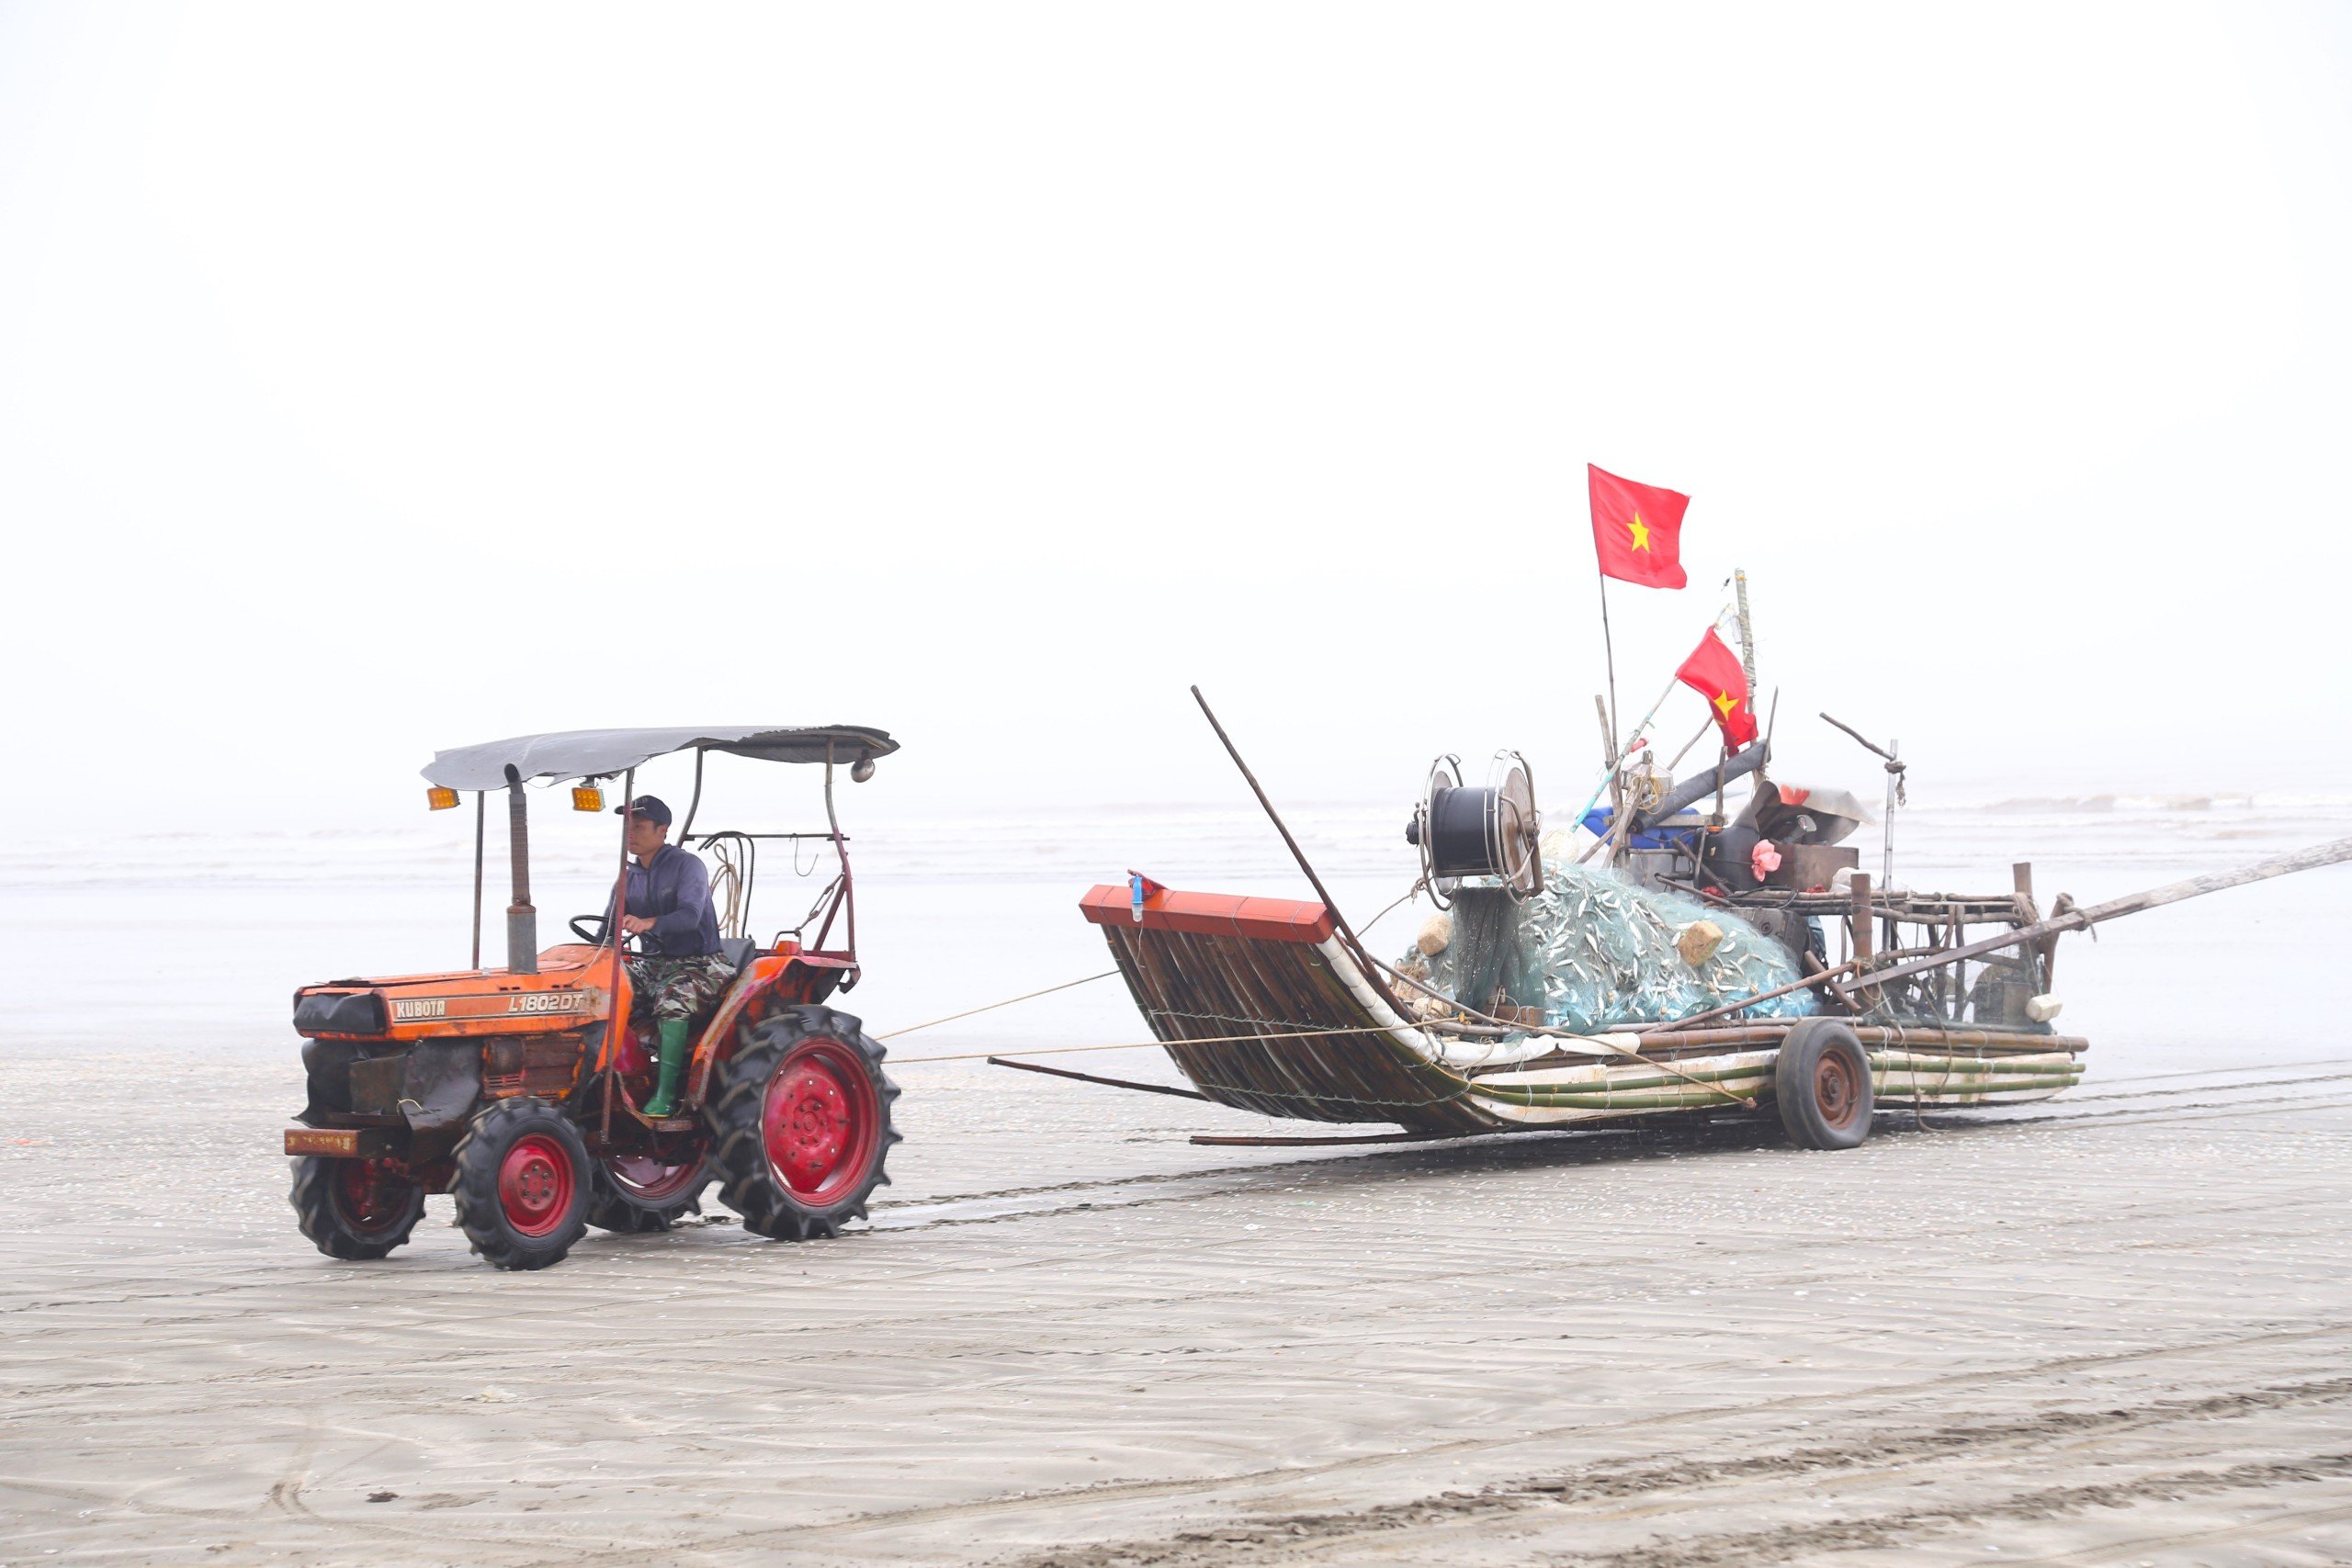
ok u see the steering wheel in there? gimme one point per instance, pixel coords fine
(579, 927)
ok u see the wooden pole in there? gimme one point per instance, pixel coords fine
(1090, 1078)
(1706, 725)
(1865, 944)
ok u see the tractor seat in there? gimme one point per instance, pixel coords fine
(738, 951)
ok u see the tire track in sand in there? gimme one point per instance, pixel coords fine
(785, 1538)
(1404, 1528)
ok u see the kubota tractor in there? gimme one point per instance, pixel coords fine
(518, 1091)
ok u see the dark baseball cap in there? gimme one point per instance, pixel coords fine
(648, 806)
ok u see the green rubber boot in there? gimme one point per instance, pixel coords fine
(676, 1035)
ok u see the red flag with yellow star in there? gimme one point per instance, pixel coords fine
(1638, 529)
(1714, 671)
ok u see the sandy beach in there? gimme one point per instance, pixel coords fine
(963, 472)
(2111, 1329)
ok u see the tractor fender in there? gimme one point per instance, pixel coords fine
(746, 999)
(769, 981)
(765, 981)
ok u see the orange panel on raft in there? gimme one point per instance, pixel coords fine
(1210, 914)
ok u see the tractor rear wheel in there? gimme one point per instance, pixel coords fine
(355, 1208)
(522, 1184)
(631, 1192)
(801, 1124)
(1822, 1082)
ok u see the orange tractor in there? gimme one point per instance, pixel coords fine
(518, 1091)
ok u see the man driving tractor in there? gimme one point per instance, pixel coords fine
(679, 974)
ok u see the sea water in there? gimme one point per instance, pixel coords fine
(196, 941)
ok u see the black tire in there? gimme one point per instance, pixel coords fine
(1822, 1084)
(354, 1208)
(522, 1185)
(617, 1201)
(809, 1077)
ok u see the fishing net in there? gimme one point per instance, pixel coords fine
(1593, 950)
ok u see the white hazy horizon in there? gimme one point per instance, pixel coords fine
(373, 382)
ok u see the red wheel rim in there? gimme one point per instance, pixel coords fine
(369, 1197)
(535, 1184)
(1835, 1090)
(820, 1120)
(650, 1181)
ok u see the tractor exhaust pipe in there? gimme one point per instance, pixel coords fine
(522, 920)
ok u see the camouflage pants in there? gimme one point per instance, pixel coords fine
(677, 987)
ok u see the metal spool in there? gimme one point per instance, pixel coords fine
(1489, 831)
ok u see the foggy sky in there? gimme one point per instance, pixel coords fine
(377, 380)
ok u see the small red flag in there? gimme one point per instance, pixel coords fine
(1638, 530)
(1712, 670)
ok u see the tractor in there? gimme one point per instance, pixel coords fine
(520, 1090)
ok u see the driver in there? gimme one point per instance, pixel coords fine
(679, 974)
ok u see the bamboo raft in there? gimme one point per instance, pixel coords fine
(1268, 1005)
(1275, 1006)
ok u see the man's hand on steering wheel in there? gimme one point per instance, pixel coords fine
(591, 929)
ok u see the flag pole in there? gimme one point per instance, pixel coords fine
(1642, 728)
(1746, 632)
(1609, 645)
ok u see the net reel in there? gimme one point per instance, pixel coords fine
(1488, 832)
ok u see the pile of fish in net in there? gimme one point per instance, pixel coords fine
(1593, 950)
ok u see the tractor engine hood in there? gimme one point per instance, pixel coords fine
(565, 995)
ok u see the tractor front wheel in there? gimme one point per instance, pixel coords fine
(522, 1184)
(355, 1208)
(801, 1124)
(634, 1192)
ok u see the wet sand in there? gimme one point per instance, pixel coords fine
(2114, 1330)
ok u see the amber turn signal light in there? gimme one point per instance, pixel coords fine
(441, 799)
(587, 797)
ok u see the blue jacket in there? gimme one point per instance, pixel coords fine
(674, 891)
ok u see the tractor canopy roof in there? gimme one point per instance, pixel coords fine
(585, 753)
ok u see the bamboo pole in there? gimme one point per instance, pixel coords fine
(2332, 853)
(1279, 827)
(2310, 859)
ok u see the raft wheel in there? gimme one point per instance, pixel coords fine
(1821, 1082)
